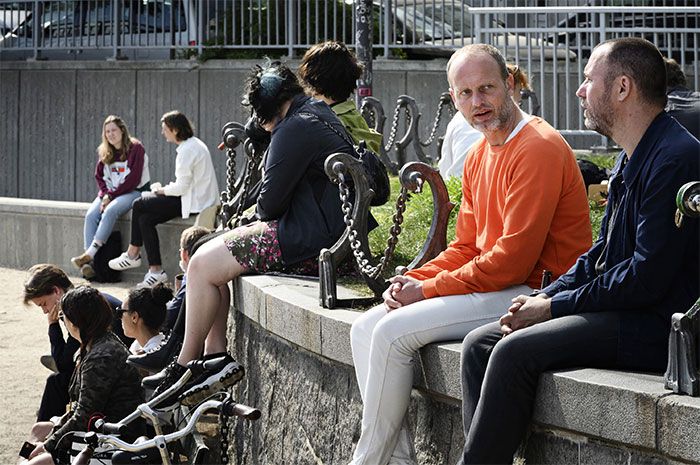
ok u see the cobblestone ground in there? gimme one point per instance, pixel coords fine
(23, 339)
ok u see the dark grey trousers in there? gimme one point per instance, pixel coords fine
(500, 375)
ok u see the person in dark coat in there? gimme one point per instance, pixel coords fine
(44, 288)
(297, 213)
(102, 385)
(613, 308)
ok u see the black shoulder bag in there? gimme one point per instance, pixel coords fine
(377, 176)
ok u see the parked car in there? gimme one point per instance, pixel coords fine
(675, 34)
(87, 28)
(12, 14)
(436, 29)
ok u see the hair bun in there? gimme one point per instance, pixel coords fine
(161, 293)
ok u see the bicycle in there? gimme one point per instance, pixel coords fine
(156, 448)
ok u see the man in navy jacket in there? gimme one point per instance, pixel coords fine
(613, 308)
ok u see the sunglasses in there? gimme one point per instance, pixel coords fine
(119, 311)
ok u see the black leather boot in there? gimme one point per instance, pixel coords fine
(159, 358)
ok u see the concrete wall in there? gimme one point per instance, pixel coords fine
(52, 114)
(49, 231)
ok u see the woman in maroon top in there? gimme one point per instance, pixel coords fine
(121, 174)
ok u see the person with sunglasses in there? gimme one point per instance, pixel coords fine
(102, 384)
(142, 315)
(44, 288)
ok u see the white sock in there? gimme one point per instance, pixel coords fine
(94, 247)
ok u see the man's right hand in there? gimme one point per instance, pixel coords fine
(52, 316)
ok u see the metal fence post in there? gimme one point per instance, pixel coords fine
(387, 26)
(37, 30)
(290, 28)
(116, 30)
(201, 22)
(363, 47)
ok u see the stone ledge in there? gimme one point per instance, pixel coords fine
(55, 231)
(616, 410)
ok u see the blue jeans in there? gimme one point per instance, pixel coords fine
(99, 225)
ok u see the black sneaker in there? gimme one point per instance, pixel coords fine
(168, 376)
(153, 381)
(220, 372)
(159, 358)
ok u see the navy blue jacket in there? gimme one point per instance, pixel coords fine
(641, 264)
(295, 189)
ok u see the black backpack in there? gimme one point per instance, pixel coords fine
(109, 250)
(592, 173)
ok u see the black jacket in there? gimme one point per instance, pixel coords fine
(295, 189)
(642, 264)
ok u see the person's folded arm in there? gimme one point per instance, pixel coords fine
(459, 251)
(184, 175)
(62, 350)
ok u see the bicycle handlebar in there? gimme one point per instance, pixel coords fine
(226, 407)
(231, 408)
(103, 427)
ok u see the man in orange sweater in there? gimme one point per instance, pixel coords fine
(524, 210)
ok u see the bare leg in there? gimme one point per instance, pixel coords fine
(40, 431)
(211, 267)
(216, 340)
(41, 459)
(133, 251)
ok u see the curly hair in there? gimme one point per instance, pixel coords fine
(268, 87)
(330, 69)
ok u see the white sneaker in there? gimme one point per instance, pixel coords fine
(151, 279)
(124, 262)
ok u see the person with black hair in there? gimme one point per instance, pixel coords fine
(329, 72)
(194, 189)
(159, 357)
(44, 288)
(298, 213)
(143, 314)
(103, 385)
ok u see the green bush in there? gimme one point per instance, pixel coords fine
(416, 224)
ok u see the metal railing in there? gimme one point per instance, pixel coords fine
(555, 56)
(551, 43)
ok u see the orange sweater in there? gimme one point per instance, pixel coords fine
(524, 210)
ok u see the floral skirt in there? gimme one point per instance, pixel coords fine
(256, 248)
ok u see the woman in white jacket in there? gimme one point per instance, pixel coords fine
(193, 190)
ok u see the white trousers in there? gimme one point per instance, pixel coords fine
(383, 346)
